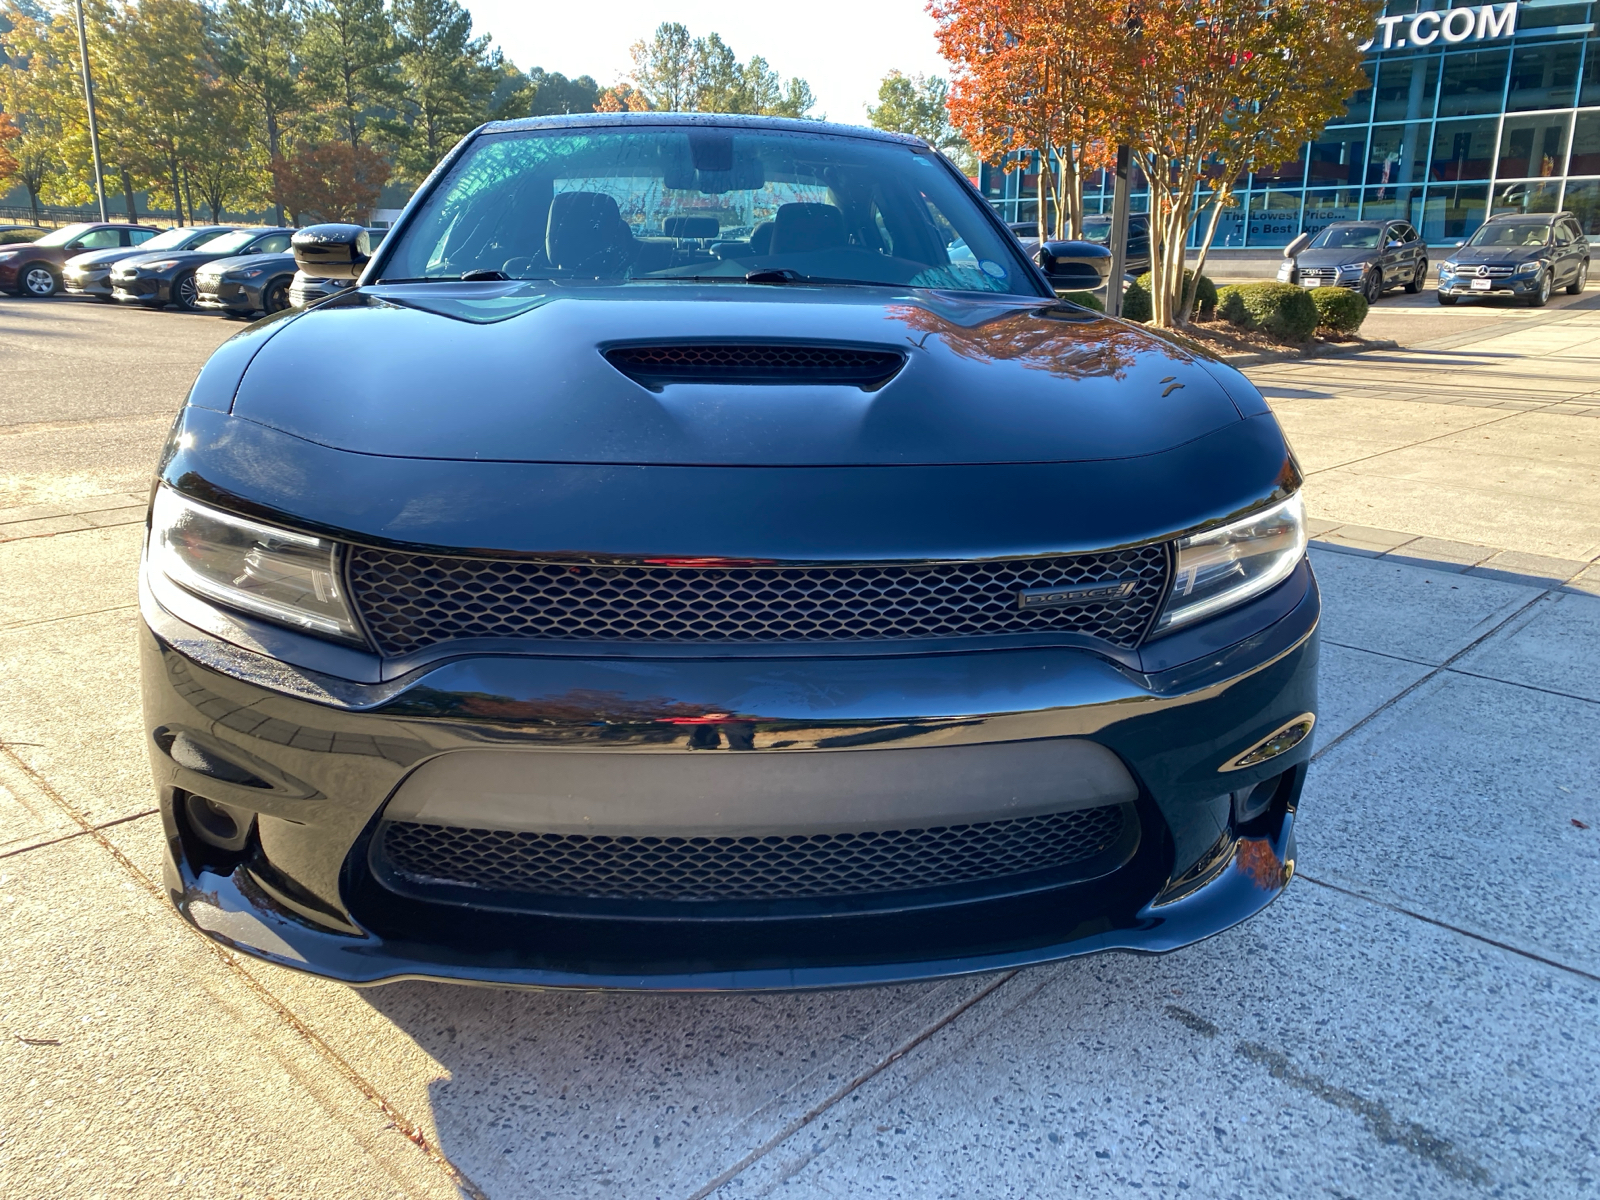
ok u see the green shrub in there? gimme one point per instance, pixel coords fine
(1280, 309)
(1137, 306)
(1136, 300)
(1087, 299)
(12, 236)
(1339, 309)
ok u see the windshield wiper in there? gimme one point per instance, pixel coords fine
(774, 275)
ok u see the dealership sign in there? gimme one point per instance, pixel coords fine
(1455, 25)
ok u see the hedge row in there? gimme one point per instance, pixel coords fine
(1282, 310)
(1136, 300)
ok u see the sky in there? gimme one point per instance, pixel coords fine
(842, 48)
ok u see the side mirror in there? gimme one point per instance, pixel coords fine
(1395, 244)
(332, 251)
(1299, 244)
(1459, 245)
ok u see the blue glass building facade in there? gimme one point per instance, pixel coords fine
(1470, 109)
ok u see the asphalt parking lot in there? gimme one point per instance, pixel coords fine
(1418, 1016)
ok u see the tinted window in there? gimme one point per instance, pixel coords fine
(99, 239)
(232, 242)
(138, 237)
(1512, 233)
(1347, 237)
(276, 244)
(658, 203)
(62, 236)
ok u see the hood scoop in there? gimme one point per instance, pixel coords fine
(793, 363)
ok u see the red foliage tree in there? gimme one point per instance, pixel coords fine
(330, 181)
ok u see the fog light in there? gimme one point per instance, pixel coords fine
(1249, 803)
(219, 825)
(1281, 740)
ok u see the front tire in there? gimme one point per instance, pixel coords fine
(40, 281)
(1541, 297)
(1372, 287)
(276, 298)
(185, 293)
(1580, 281)
(1447, 301)
(1415, 285)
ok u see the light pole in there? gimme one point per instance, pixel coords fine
(88, 99)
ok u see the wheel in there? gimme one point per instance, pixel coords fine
(1445, 300)
(1415, 285)
(276, 298)
(1542, 297)
(40, 280)
(1581, 281)
(185, 292)
(1372, 287)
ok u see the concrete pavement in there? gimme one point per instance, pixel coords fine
(1416, 1017)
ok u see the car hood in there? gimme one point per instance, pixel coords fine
(1334, 258)
(103, 258)
(517, 373)
(183, 258)
(1497, 255)
(244, 261)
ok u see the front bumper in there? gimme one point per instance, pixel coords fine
(227, 296)
(88, 283)
(313, 761)
(1461, 285)
(152, 292)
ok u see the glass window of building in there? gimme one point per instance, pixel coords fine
(1338, 156)
(1473, 83)
(1585, 158)
(1543, 76)
(1452, 212)
(1527, 195)
(1463, 149)
(1274, 217)
(1325, 206)
(1358, 109)
(1533, 146)
(1397, 153)
(1583, 201)
(1589, 82)
(1406, 89)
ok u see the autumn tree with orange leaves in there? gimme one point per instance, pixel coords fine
(1215, 87)
(1201, 90)
(1037, 75)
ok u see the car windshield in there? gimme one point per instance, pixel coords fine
(1347, 237)
(62, 236)
(176, 239)
(1512, 233)
(232, 242)
(662, 203)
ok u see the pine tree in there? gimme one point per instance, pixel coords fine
(349, 66)
(449, 78)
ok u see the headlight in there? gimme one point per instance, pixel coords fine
(1448, 268)
(1353, 271)
(290, 578)
(160, 265)
(1532, 268)
(5, 254)
(1224, 567)
(252, 273)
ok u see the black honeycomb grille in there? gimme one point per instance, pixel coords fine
(411, 601)
(746, 868)
(655, 366)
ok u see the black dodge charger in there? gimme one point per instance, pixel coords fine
(701, 552)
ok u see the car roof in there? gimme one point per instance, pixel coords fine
(699, 121)
(1546, 217)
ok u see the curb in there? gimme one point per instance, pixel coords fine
(1332, 350)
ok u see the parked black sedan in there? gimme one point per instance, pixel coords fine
(1525, 256)
(1365, 256)
(168, 277)
(247, 284)
(89, 273)
(576, 602)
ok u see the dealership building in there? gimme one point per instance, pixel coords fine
(1470, 109)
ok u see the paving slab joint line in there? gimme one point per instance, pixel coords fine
(67, 837)
(407, 1128)
(1434, 921)
(811, 1114)
(1444, 666)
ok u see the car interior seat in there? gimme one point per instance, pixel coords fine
(587, 235)
(804, 228)
(761, 238)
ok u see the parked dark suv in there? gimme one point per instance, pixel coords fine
(1522, 255)
(1367, 256)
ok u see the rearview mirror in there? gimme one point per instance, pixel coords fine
(332, 251)
(1299, 244)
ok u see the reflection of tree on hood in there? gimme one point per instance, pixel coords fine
(1066, 344)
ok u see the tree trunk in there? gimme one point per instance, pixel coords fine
(188, 196)
(127, 195)
(177, 195)
(33, 202)
(1040, 174)
(272, 156)
(1189, 293)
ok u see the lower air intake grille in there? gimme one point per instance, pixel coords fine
(411, 601)
(746, 868)
(656, 366)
